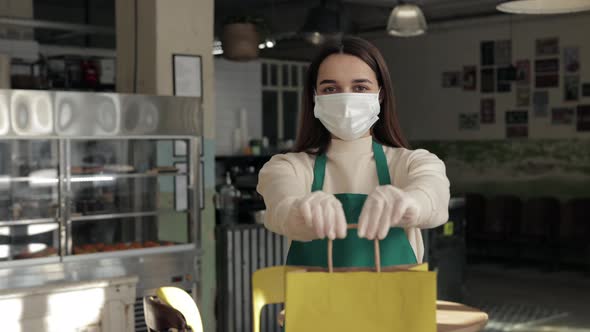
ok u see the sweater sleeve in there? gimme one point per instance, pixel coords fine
(428, 184)
(282, 181)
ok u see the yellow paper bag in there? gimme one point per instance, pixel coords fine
(401, 299)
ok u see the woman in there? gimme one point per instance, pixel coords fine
(352, 166)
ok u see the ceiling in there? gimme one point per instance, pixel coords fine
(284, 18)
(288, 15)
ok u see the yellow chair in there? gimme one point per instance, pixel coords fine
(162, 317)
(268, 287)
(180, 300)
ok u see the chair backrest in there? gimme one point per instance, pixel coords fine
(162, 317)
(504, 215)
(576, 224)
(181, 301)
(475, 207)
(268, 287)
(541, 217)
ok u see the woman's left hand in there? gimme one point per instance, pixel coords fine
(386, 207)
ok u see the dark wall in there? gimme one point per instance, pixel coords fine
(91, 12)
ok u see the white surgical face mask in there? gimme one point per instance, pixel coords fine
(347, 116)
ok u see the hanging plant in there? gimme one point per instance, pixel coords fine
(241, 36)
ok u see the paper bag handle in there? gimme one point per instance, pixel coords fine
(331, 250)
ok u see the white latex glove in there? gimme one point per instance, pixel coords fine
(386, 207)
(324, 214)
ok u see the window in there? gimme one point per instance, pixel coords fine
(281, 99)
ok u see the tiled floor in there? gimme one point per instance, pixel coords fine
(529, 300)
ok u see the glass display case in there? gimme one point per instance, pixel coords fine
(99, 185)
(126, 194)
(29, 195)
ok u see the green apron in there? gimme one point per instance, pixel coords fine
(353, 251)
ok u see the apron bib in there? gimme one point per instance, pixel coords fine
(353, 251)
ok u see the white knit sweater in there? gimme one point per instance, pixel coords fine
(351, 169)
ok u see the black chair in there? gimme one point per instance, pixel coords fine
(475, 207)
(539, 231)
(574, 232)
(160, 317)
(501, 228)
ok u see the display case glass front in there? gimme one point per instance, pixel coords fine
(99, 186)
(127, 194)
(29, 241)
(29, 199)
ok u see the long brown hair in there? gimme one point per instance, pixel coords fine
(312, 136)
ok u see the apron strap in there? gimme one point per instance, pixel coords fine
(381, 162)
(319, 168)
(319, 172)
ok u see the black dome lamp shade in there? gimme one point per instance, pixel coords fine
(321, 24)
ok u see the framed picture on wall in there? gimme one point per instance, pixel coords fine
(541, 98)
(504, 86)
(523, 96)
(187, 79)
(571, 59)
(517, 131)
(523, 72)
(547, 81)
(547, 46)
(468, 121)
(562, 116)
(503, 52)
(583, 116)
(504, 82)
(451, 79)
(547, 73)
(487, 53)
(547, 66)
(469, 78)
(571, 88)
(488, 111)
(488, 82)
(517, 117)
(540, 103)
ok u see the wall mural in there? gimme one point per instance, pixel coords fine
(525, 168)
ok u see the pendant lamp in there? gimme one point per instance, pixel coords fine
(322, 23)
(544, 6)
(406, 20)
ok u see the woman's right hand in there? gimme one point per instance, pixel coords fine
(324, 214)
